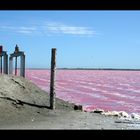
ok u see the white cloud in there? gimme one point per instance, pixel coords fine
(19, 29)
(51, 29)
(26, 30)
(65, 29)
(7, 27)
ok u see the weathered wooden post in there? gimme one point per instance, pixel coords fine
(52, 79)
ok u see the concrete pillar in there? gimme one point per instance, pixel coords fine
(1, 64)
(16, 65)
(5, 62)
(22, 65)
(17, 54)
(11, 65)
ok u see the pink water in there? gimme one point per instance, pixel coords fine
(108, 90)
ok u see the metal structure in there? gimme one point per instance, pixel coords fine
(4, 58)
(16, 54)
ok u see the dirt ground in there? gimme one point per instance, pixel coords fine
(25, 106)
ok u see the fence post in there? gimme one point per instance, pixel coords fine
(52, 79)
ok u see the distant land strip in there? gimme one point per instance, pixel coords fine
(116, 69)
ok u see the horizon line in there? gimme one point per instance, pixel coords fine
(136, 69)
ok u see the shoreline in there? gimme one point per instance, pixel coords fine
(20, 108)
(100, 69)
(28, 117)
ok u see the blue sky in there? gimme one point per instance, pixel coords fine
(90, 39)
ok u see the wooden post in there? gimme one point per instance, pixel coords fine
(52, 79)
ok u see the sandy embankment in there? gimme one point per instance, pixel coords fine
(25, 106)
